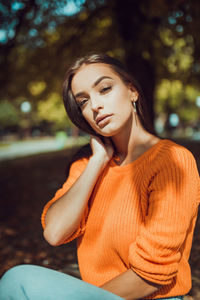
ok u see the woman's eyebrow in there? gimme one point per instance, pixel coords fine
(100, 79)
(80, 94)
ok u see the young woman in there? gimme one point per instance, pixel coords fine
(131, 202)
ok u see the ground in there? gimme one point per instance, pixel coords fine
(26, 185)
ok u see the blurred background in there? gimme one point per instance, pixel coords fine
(158, 40)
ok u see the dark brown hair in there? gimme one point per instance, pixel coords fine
(74, 111)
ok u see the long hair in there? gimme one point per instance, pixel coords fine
(74, 111)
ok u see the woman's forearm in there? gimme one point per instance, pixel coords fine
(130, 286)
(64, 216)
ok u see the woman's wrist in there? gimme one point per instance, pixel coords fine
(99, 161)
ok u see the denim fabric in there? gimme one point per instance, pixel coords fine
(30, 282)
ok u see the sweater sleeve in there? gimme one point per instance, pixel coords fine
(174, 195)
(76, 170)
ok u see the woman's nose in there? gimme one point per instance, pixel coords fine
(96, 104)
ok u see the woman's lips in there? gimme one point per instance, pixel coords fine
(101, 121)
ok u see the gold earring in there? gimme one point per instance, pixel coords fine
(135, 111)
(134, 107)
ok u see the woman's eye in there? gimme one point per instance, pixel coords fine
(82, 102)
(105, 89)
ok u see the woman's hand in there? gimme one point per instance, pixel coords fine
(101, 148)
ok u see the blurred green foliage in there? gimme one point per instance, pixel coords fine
(174, 96)
(158, 40)
(52, 110)
(9, 115)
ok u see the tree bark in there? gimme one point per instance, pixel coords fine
(130, 22)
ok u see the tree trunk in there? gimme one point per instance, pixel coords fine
(130, 23)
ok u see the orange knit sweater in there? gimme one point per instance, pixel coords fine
(140, 216)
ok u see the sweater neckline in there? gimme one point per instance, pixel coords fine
(118, 168)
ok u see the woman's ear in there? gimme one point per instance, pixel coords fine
(133, 93)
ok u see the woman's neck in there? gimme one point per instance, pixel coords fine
(130, 144)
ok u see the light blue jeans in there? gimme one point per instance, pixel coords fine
(29, 282)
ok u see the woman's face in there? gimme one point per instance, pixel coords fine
(105, 101)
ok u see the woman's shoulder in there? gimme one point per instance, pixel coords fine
(173, 155)
(174, 149)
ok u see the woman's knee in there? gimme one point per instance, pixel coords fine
(11, 283)
(17, 273)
